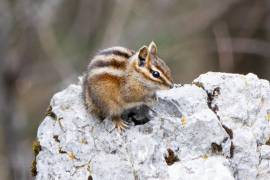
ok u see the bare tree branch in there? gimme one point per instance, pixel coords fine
(117, 22)
(249, 46)
(224, 47)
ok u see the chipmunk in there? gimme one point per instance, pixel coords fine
(118, 78)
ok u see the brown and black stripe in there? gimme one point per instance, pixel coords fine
(118, 51)
(115, 57)
(164, 69)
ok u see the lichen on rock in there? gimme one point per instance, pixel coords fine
(194, 132)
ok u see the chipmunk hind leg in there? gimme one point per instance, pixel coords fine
(115, 109)
(106, 95)
(89, 102)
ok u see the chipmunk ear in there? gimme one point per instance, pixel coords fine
(143, 52)
(153, 48)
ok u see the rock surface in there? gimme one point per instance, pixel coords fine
(217, 128)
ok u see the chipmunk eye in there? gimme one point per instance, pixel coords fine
(155, 74)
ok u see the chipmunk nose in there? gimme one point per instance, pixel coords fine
(171, 85)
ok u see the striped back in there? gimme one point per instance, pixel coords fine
(115, 57)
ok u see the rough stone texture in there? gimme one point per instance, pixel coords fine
(217, 128)
(242, 104)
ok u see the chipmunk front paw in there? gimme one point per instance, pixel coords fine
(120, 125)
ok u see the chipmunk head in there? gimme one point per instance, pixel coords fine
(153, 73)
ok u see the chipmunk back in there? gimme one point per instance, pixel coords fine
(118, 78)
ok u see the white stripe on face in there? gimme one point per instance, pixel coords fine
(167, 81)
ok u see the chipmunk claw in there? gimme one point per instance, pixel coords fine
(120, 125)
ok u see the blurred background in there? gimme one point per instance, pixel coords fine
(46, 44)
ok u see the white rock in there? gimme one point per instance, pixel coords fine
(214, 168)
(264, 166)
(265, 152)
(243, 104)
(225, 141)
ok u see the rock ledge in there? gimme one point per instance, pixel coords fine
(218, 128)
